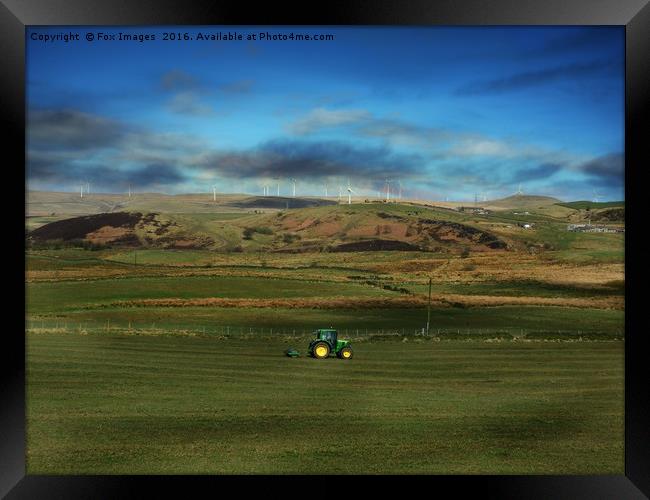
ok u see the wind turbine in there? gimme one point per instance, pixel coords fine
(129, 190)
(339, 193)
(325, 190)
(520, 191)
(81, 192)
(387, 189)
(597, 197)
(399, 182)
(214, 193)
(350, 191)
(293, 181)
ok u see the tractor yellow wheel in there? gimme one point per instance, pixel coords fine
(346, 353)
(321, 350)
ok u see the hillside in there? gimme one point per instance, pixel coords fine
(522, 201)
(356, 227)
(131, 229)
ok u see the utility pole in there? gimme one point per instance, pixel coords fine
(429, 308)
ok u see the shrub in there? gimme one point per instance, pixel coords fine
(290, 237)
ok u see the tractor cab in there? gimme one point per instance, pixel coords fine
(328, 336)
(327, 342)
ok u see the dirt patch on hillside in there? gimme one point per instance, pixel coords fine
(328, 228)
(108, 234)
(305, 224)
(453, 232)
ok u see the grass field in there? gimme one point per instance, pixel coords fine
(151, 360)
(119, 404)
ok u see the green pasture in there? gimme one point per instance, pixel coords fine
(112, 404)
(59, 296)
(549, 321)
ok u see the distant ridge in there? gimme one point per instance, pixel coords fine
(583, 204)
(523, 201)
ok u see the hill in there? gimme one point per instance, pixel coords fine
(522, 201)
(356, 227)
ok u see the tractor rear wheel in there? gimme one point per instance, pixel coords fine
(345, 353)
(321, 350)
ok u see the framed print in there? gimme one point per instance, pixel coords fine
(388, 242)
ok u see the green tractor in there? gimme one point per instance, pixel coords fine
(327, 342)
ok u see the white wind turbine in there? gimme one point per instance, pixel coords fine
(350, 191)
(325, 190)
(214, 193)
(520, 191)
(293, 181)
(597, 197)
(388, 189)
(339, 193)
(399, 182)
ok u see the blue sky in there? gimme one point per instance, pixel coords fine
(450, 113)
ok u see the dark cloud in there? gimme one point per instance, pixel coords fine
(542, 171)
(188, 93)
(158, 174)
(177, 80)
(68, 129)
(285, 158)
(606, 170)
(68, 146)
(57, 171)
(529, 79)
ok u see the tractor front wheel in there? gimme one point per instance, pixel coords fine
(345, 353)
(321, 350)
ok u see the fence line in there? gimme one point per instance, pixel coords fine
(108, 326)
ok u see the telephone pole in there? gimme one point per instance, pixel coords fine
(429, 308)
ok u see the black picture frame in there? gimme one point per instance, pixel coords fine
(15, 15)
